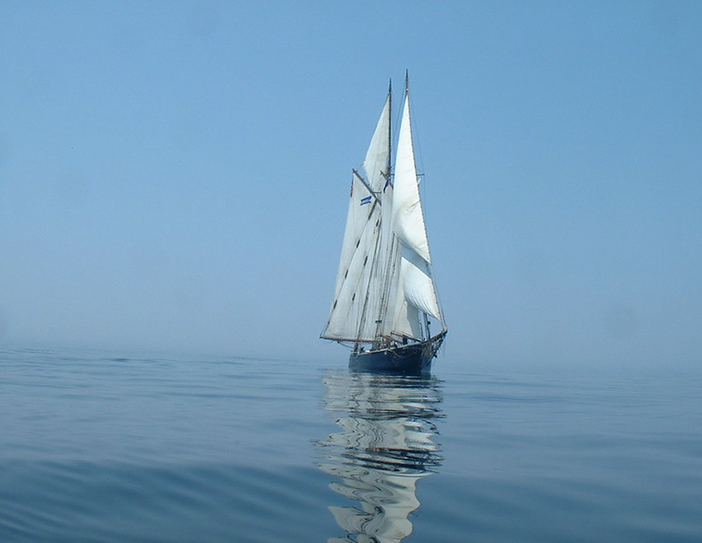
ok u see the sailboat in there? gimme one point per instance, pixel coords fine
(385, 300)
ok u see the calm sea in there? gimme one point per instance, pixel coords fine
(98, 447)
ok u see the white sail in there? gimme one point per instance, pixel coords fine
(405, 318)
(417, 283)
(345, 320)
(408, 223)
(357, 295)
(377, 157)
(408, 218)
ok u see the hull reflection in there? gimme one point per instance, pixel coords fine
(384, 447)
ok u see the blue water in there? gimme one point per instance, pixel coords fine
(104, 447)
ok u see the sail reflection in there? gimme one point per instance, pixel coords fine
(384, 447)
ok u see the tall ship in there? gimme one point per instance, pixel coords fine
(385, 301)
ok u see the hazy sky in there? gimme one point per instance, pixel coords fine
(174, 175)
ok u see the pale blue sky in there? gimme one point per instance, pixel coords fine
(174, 175)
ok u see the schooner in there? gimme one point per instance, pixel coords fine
(385, 300)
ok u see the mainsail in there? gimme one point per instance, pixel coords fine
(384, 287)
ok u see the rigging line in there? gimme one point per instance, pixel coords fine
(416, 147)
(415, 130)
(423, 204)
(442, 320)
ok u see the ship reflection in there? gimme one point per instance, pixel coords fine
(385, 445)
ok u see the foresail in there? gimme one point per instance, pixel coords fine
(416, 290)
(408, 218)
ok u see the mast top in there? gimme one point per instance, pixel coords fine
(406, 81)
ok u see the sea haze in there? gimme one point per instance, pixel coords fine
(107, 447)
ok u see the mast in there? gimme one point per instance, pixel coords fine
(378, 279)
(387, 236)
(389, 165)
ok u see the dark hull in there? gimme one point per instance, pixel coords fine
(414, 359)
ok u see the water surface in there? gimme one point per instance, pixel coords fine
(120, 448)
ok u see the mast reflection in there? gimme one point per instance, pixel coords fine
(385, 445)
